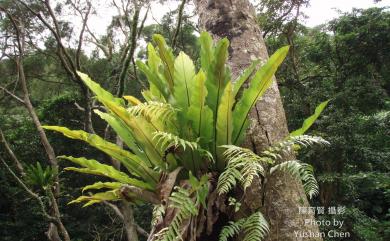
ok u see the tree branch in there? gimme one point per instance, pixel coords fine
(12, 95)
(129, 56)
(179, 21)
(18, 164)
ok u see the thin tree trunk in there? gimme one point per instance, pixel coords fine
(56, 211)
(16, 161)
(20, 41)
(128, 221)
(281, 196)
(52, 232)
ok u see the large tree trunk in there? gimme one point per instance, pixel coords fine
(281, 196)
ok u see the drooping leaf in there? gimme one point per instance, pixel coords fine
(94, 167)
(98, 197)
(310, 120)
(301, 171)
(259, 84)
(133, 163)
(101, 185)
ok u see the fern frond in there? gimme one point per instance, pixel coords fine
(232, 229)
(287, 146)
(228, 180)
(301, 171)
(166, 140)
(254, 228)
(181, 200)
(242, 166)
(157, 214)
(154, 110)
(310, 183)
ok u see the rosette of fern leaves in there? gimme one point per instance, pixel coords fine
(182, 141)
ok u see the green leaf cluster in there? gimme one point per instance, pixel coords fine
(188, 119)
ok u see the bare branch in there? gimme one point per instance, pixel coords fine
(18, 164)
(141, 231)
(115, 208)
(12, 95)
(85, 19)
(130, 54)
(179, 21)
(143, 22)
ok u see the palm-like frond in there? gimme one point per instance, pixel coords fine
(254, 228)
(301, 171)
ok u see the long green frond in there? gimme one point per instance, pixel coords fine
(94, 167)
(258, 85)
(310, 120)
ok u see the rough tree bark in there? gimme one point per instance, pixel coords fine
(281, 196)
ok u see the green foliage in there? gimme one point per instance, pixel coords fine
(40, 177)
(112, 195)
(187, 120)
(244, 165)
(180, 199)
(349, 66)
(309, 121)
(175, 95)
(260, 83)
(96, 168)
(345, 60)
(253, 228)
(300, 171)
(186, 203)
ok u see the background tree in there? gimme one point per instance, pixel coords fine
(349, 66)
